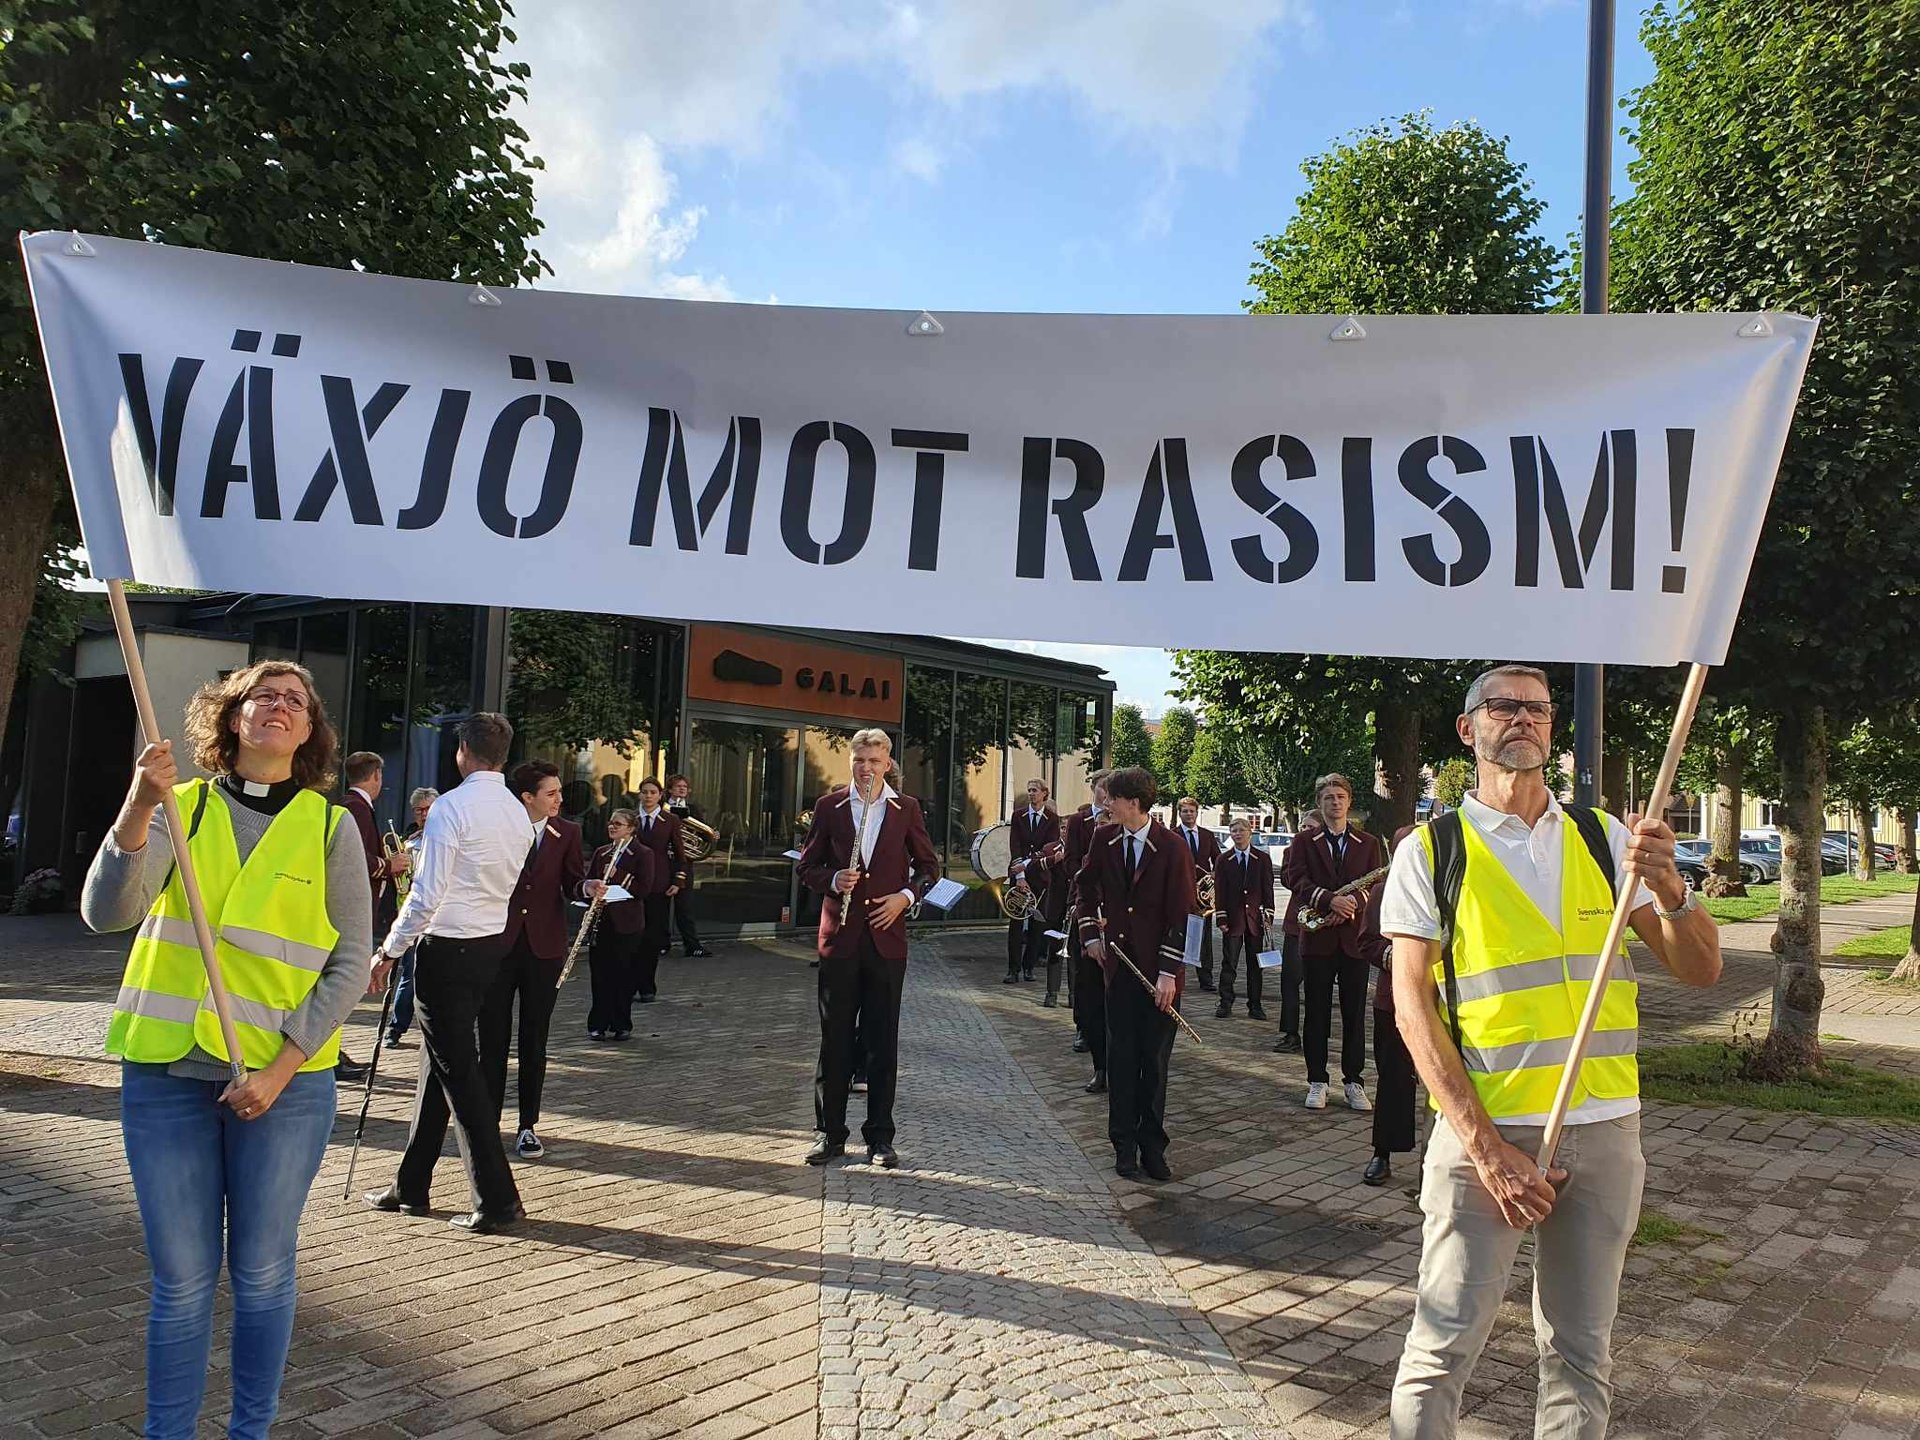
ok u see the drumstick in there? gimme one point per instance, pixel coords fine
(1140, 975)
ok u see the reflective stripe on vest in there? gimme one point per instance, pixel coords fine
(272, 938)
(1522, 983)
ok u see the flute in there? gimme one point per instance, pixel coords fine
(592, 916)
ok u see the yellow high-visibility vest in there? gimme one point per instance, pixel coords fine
(271, 936)
(1522, 985)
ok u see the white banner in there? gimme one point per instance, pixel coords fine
(1541, 487)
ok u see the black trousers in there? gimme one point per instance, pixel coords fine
(653, 940)
(451, 979)
(537, 984)
(863, 990)
(611, 959)
(1290, 978)
(1323, 972)
(1139, 1050)
(1395, 1103)
(1090, 1005)
(1206, 955)
(1026, 944)
(683, 918)
(1232, 947)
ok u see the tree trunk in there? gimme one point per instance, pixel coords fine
(1909, 968)
(1396, 766)
(31, 478)
(1613, 782)
(1793, 1040)
(1863, 824)
(1729, 780)
(1903, 854)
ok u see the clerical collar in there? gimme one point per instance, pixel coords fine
(263, 799)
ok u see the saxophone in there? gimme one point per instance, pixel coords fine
(1312, 919)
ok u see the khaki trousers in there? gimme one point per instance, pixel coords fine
(1467, 1255)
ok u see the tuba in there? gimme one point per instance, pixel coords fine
(697, 838)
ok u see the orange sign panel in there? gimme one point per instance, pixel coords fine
(778, 672)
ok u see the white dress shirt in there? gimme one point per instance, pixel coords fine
(471, 852)
(865, 838)
(1531, 854)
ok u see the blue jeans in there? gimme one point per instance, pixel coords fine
(208, 1181)
(402, 1016)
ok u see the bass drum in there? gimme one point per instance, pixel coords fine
(992, 853)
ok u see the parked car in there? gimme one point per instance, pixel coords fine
(1844, 846)
(1759, 861)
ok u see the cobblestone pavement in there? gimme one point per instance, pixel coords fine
(685, 1275)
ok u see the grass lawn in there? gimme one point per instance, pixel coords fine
(1709, 1074)
(1834, 890)
(1890, 943)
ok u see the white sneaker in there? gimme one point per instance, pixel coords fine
(1357, 1097)
(528, 1147)
(1317, 1095)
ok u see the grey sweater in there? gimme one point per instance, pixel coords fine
(122, 886)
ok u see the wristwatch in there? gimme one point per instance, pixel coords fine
(1692, 902)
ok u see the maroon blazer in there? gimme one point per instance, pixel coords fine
(1243, 894)
(1209, 846)
(1039, 845)
(1076, 833)
(369, 829)
(1290, 876)
(550, 878)
(1320, 875)
(636, 872)
(903, 859)
(669, 865)
(1147, 914)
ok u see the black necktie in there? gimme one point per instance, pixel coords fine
(1133, 859)
(1193, 843)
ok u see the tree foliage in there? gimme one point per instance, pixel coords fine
(1213, 775)
(1452, 780)
(1172, 749)
(1131, 743)
(1778, 168)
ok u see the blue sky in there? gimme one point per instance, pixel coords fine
(1089, 155)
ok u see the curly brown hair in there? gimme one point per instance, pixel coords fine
(215, 746)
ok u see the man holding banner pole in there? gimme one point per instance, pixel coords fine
(1500, 912)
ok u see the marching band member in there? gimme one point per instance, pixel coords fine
(536, 937)
(658, 829)
(1136, 895)
(1243, 901)
(869, 854)
(613, 951)
(1036, 841)
(679, 801)
(1290, 964)
(1204, 846)
(1089, 985)
(1338, 951)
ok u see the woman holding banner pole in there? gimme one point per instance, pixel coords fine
(222, 1165)
(1500, 917)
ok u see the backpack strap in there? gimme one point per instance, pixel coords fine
(1449, 874)
(1593, 830)
(199, 809)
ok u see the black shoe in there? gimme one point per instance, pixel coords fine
(1206, 983)
(1127, 1167)
(883, 1156)
(699, 952)
(646, 999)
(394, 1203)
(396, 1042)
(1223, 1009)
(1379, 1171)
(349, 1070)
(824, 1150)
(1079, 1043)
(857, 1085)
(1027, 975)
(813, 964)
(1286, 1045)
(487, 1222)
(1097, 1085)
(1052, 1001)
(622, 1035)
(1010, 978)
(1155, 1165)
(1254, 1012)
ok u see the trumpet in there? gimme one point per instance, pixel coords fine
(1312, 919)
(391, 845)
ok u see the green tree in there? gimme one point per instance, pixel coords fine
(1131, 743)
(1281, 762)
(1213, 769)
(325, 131)
(1778, 168)
(1727, 743)
(1172, 748)
(1452, 781)
(1400, 218)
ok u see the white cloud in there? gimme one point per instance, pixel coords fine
(918, 157)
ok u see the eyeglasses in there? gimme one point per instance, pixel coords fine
(1504, 708)
(294, 702)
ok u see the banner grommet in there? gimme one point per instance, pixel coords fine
(925, 327)
(1757, 328)
(77, 245)
(483, 296)
(1347, 329)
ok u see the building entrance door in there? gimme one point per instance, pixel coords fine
(745, 781)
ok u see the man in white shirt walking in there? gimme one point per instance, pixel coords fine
(472, 849)
(1490, 976)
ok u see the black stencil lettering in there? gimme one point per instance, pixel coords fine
(1303, 544)
(929, 487)
(162, 461)
(556, 485)
(436, 469)
(1356, 503)
(1476, 549)
(663, 469)
(1673, 578)
(1169, 484)
(1537, 490)
(1037, 454)
(249, 407)
(345, 464)
(796, 505)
